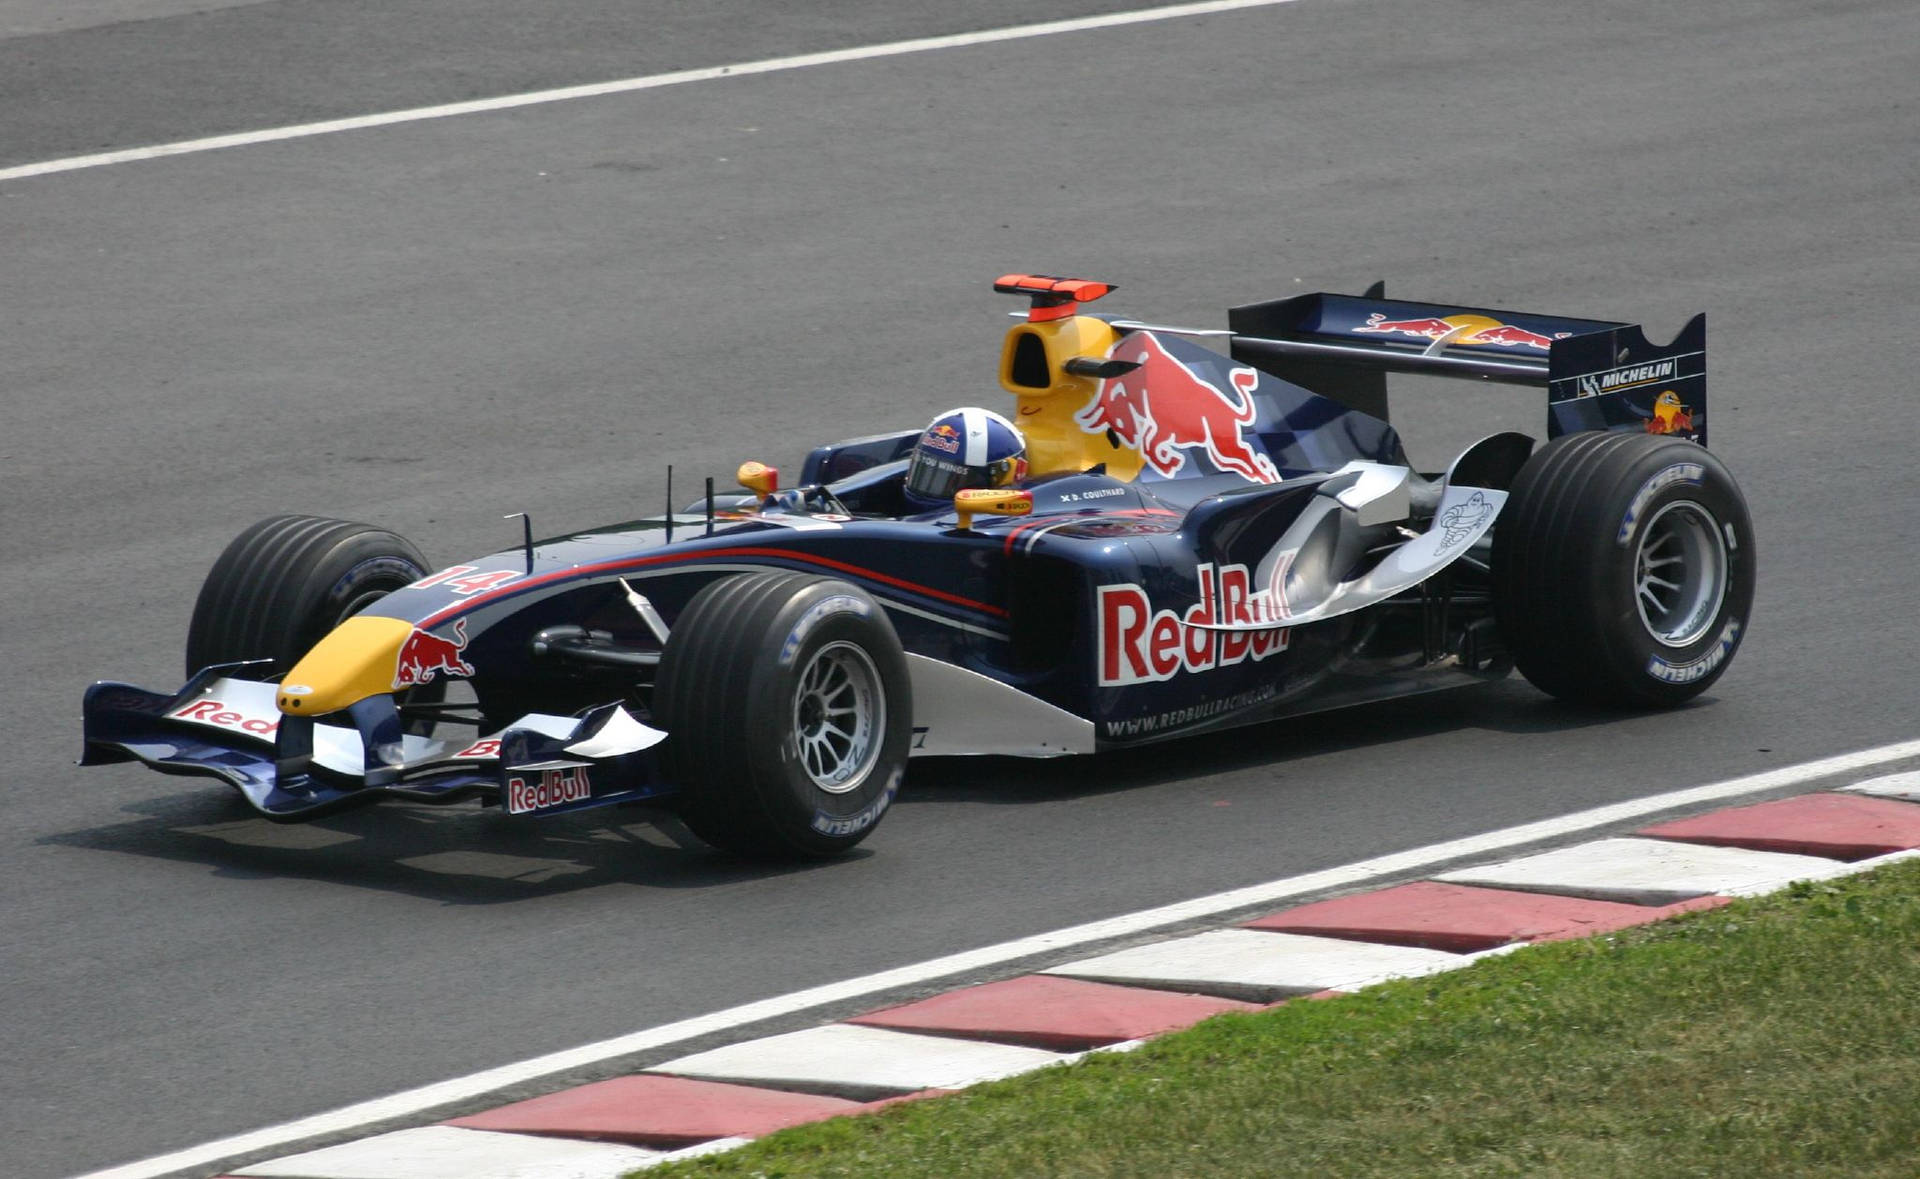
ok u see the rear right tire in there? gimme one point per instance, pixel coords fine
(1623, 569)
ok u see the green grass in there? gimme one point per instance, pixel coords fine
(1777, 1036)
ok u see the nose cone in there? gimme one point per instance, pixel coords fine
(356, 660)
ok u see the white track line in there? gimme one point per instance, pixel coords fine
(414, 1102)
(628, 85)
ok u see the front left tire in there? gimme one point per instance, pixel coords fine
(287, 581)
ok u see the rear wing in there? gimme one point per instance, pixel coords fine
(1599, 374)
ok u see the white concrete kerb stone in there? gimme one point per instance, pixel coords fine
(1259, 966)
(1903, 786)
(846, 1060)
(449, 1152)
(1648, 871)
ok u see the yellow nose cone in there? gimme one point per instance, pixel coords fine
(358, 659)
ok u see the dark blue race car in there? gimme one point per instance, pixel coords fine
(1190, 540)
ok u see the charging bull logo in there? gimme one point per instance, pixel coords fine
(425, 655)
(1163, 408)
(1669, 416)
(1460, 329)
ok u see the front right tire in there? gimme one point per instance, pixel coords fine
(788, 711)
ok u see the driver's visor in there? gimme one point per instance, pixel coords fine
(937, 478)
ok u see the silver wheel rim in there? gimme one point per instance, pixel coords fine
(839, 713)
(1680, 573)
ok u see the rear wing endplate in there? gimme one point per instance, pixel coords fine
(1599, 374)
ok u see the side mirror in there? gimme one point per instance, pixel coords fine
(991, 501)
(758, 478)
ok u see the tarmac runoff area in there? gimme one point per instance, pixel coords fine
(713, 1101)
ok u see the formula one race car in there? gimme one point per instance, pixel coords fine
(1201, 541)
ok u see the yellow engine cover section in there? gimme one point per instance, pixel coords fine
(360, 658)
(1033, 368)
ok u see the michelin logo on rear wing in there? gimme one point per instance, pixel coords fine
(1618, 380)
(1594, 384)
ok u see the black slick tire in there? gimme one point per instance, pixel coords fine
(288, 580)
(1623, 569)
(788, 711)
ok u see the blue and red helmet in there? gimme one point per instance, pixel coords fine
(962, 449)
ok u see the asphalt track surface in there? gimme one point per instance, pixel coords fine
(434, 324)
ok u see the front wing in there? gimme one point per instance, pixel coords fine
(224, 726)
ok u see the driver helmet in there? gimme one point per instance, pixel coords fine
(962, 449)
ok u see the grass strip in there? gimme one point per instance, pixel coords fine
(1774, 1036)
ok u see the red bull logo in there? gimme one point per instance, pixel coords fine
(1163, 409)
(552, 788)
(1669, 416)
(213, 712)
(425, 655)
(1141, 645)
(943, 437)
(1460, 329)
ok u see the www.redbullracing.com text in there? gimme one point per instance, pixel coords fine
(1186, 716)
